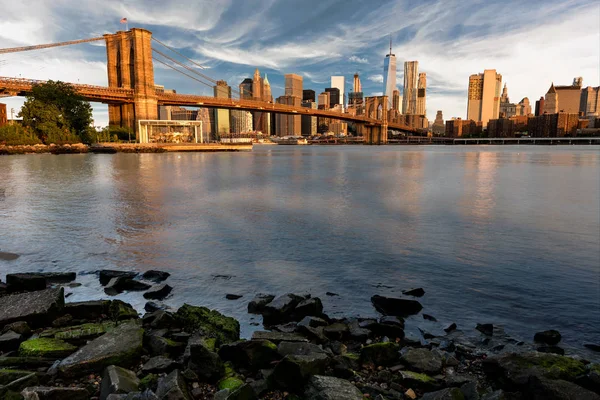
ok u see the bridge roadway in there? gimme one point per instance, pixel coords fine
(108, 95)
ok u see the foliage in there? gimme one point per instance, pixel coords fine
(15, 134)
(57, 114)
(323, 128)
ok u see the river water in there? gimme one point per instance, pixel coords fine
(508, 235)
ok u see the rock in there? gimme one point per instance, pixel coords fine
(230, 383)
(551, 337)
(79, 332)
(244, 392)
(384, 354)
(444, 394)
(298, 349)
(54, 393)
(543, 388)
(331, 294)
(336, 331)
(122, 347)
(106, 275)
(280, 309)
(257, 305)
(117, 380)
(313, 322)
(36, 308)
(58, 277)
(592, 346)
(20, 327)
(158, 319)
(89, 310)
(309, 307)
(21, 382)
(395, 306)
(410, 394)
(357, 333)
(146, 395)
(202, 359)
(389, 326)
(119, 310)
(418, 292)
(252, 354)
(62, 321)
(450, 328)
(277, 337)
(26, 362)
(429, 317)
(158, 292)
(470, 391)
(9, 375)
(551, 349)
(27, 282)
(159, 364)
(330, 388)
(210, 322)
(418, 380)
(5, 256)
(293, 371)
(152, 306)
(422, 360)
(486, 329)
(156, 276)
(46, 348)
(161, 346)
(173, 387)
(10, 341)
(230, 296)
(121, 284)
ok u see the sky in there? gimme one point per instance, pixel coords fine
(531, 43)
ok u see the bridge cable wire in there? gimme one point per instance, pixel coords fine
(48, 45)
(181, 72)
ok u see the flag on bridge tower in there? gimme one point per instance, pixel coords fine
(124, 21)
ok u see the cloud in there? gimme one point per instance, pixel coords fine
(376, 78)
(357, 59)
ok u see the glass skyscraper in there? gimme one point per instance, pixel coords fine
(389, 76)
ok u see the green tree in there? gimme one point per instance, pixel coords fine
(55, 112)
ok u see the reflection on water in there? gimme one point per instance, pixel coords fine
(501, 234)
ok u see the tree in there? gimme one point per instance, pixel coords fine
(54, 111)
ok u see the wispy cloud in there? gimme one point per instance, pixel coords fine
(376, 78)
(357, 59)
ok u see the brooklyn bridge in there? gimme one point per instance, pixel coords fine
(132, 94)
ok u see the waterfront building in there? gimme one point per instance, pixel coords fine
(183, 114)
(389, 76)
(241, 121)
(421, 94)
(590, 101)
(338, 83)
(308, 95)
(207, 117)
(438, 128)
(563, 98)
(409, 100)
(247, 89)
(323, 101)
(507, 109)
(288, 125)
(396, 100)
(3, 116)
(523, 107)
(309, 124)
(553, 125)
(484, 96)
(457, 127)
(539, 106)
(334, 96)
(222, 123)
(338, 128)
(293, 85)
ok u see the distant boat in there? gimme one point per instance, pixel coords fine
(291, 141)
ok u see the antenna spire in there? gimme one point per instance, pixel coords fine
(390, 44)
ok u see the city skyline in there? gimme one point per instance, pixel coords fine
(232, 47)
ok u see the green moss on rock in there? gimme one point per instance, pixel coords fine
(79, 332)
(230, 383)
(424, 378)
(210, 322)
(150, 381)
(380, 353)
(9, 375)
(46, 347)
(352, 356)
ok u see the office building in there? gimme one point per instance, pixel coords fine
(539, 106)
(323, 101)
(389, 76)
(241, 121)
(258, 86)
(553, 125)
(438, 127)
(422, 94)
(457, 127)
(286, 124)
(523, 108)
(338, 82)
(309, 95)
(246, 89)
(309, 124)
(222, 123)
(293, 85)
(563, 98)
(590, 101)
(334, 96)
(338, 128)
(409, 100)
(484, 96)
(396, 100)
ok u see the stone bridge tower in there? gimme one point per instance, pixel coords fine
(375, 107)
(129, 64)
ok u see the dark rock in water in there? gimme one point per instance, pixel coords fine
(293, 372)
(36, 308)
(312, 322)
(422, 360)
(4, 256)
(106, 275)
(210, 322)
(418, 292)
(277, 337)
(551, 337)
(122, 346)
(543, 388)
(384, 354)
(551, 349)
(202, 359)
(280, 309)
(309, 307)
(158, 319)
(357, 332)
(158, 292)
(117, 380)
(173, 387)
(89, 310)
(10, 341)
(257, 305)
(444, 394)
(152, 306)
(429, 317)
(486, 329)
(58, 277)
(330, 388)
(395, 306)
(159, 364)
(230, 296)
(331, 294)
(156, 276)
(592, 346)
(389, 326)
(252, 354)
(27, 282)
(121, 284)
(450, 328)
(55, 393)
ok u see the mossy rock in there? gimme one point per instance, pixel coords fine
(9, 375)
(10, 395)
(230, 383)
(120, 311)
(210, 323)
(150, 381)
(46, 348)
(423, 378)
(79, 332)
(352, 356)
(380, 353)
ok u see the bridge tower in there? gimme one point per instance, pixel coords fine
(129, 65)
(375, 107)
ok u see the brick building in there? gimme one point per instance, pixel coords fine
(462, 127)
(3, 117)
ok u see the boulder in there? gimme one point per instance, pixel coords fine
(146, 395)
(121, 284)
(158, 292)
(543, 388)
(551, 337)
(117, 380)
(159, 364)
(58, 277)
(592, 346)
(299, 349)
(551, 349)
(486, 329)
(384, 354)
(25, 282)
(79, 333)
(277, 337)
(119, 310)
(202, 359)
(46, 348)
(122, 347)
(429, 317)
(210, 323)
(161, 346)
(336, 331)
(356, 332)
(444, 394)
(158, 319)
(231, 296)
(396, 306)
(422, 360)
(152, 306)
(390, 326)
(106, 275)
(418, 380)
(88, 310)
(330, 388)
(450, 328)
(36, 308)
(244, 392)
(20, 327)
(312, 322)
(293, 371)
(258, 303)
(309, 307)
(156, 276)
(417, 292)
(55, 393)
(280, 309)
(5, 256)
(10, 341)
(173, 387)
(252, 354)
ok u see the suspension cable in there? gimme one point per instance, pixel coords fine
(48, 45)
(181, 72)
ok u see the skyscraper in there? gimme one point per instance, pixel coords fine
(222, 127)
(389, 76)
(396, 100)
(293, 85)
(422, 94)
(357, 86)
(308, 95)
(409, 101)
(334, 96)
(338, 82)
(484, 96)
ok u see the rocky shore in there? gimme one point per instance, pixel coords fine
(76, 148)
(104, 349)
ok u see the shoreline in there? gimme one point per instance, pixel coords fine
(194, 352)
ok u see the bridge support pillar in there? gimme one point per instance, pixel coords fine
(129, 65)
(376, 134)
